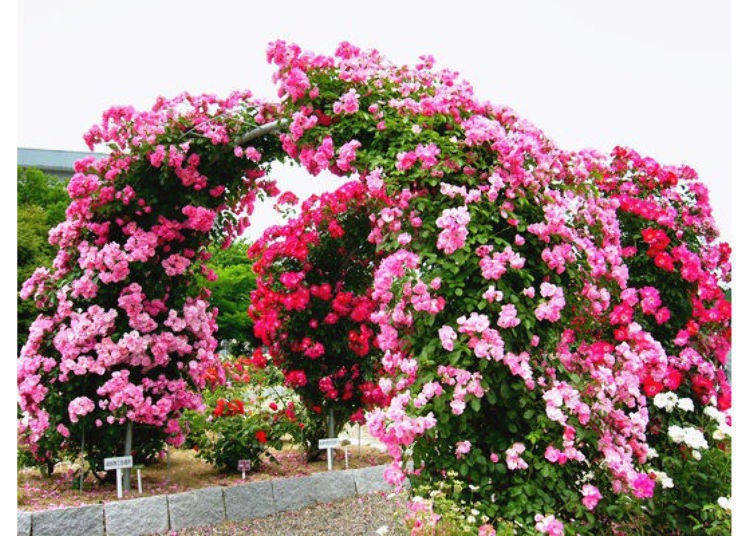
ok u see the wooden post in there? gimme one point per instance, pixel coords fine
(127, 450)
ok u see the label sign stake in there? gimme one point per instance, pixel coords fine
(118, 464)
(329, 444)
(244, 465)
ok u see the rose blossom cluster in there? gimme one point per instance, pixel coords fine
(557, 234)
(300, 305)
(124, 334)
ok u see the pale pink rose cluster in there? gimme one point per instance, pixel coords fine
(551, 308)
(513, 457)
(549, 524)
(495, 266)
(463, 383)
(348, 103)
(453, 222)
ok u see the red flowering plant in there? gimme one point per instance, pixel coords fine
(245, 418)
(312, 308)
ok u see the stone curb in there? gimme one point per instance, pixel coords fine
(195, 508)
(23, 523)
(84, 520)
(202, 507)
(148, 515)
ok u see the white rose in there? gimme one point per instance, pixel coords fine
(665, 401)
(685, 404)
(676, 433)
(724, 503)
(711, 411)
(697, 455)
(664, 479)
(725, 429)
(694, 438)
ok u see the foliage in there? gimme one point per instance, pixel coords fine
(245, 418)
(230, 294)
(441, 509)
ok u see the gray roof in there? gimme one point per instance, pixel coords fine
(51, 160)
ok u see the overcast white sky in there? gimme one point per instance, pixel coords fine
(651, 75)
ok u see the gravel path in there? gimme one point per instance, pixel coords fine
(357, 516)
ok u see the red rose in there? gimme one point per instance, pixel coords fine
(651, 387)
(219, 410)
(664, 261)
(724, 401)
(673, 379)
(701, 386)
(261, 436)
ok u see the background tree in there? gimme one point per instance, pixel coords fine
(230, 293)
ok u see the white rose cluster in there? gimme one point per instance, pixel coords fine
(724, 430)
(666, 401)
(692, 437)
(669, 400)
(664, 479)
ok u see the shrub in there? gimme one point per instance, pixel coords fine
(312, 308)
(244, 419)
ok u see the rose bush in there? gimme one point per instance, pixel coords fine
(530, 303)
(505, 293)
(312, 308)
(125, 334)
(244, 419)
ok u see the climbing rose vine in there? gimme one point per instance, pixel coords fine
(124, 332)
(554, 325)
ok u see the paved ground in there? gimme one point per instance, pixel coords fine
(365, 515)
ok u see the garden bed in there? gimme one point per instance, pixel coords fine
(184, 472)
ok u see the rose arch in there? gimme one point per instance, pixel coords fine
(530, 307)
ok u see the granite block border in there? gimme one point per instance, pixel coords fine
(248, 501)
(23, 523)
(202, 507)
(83, 520)
(196, 508)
